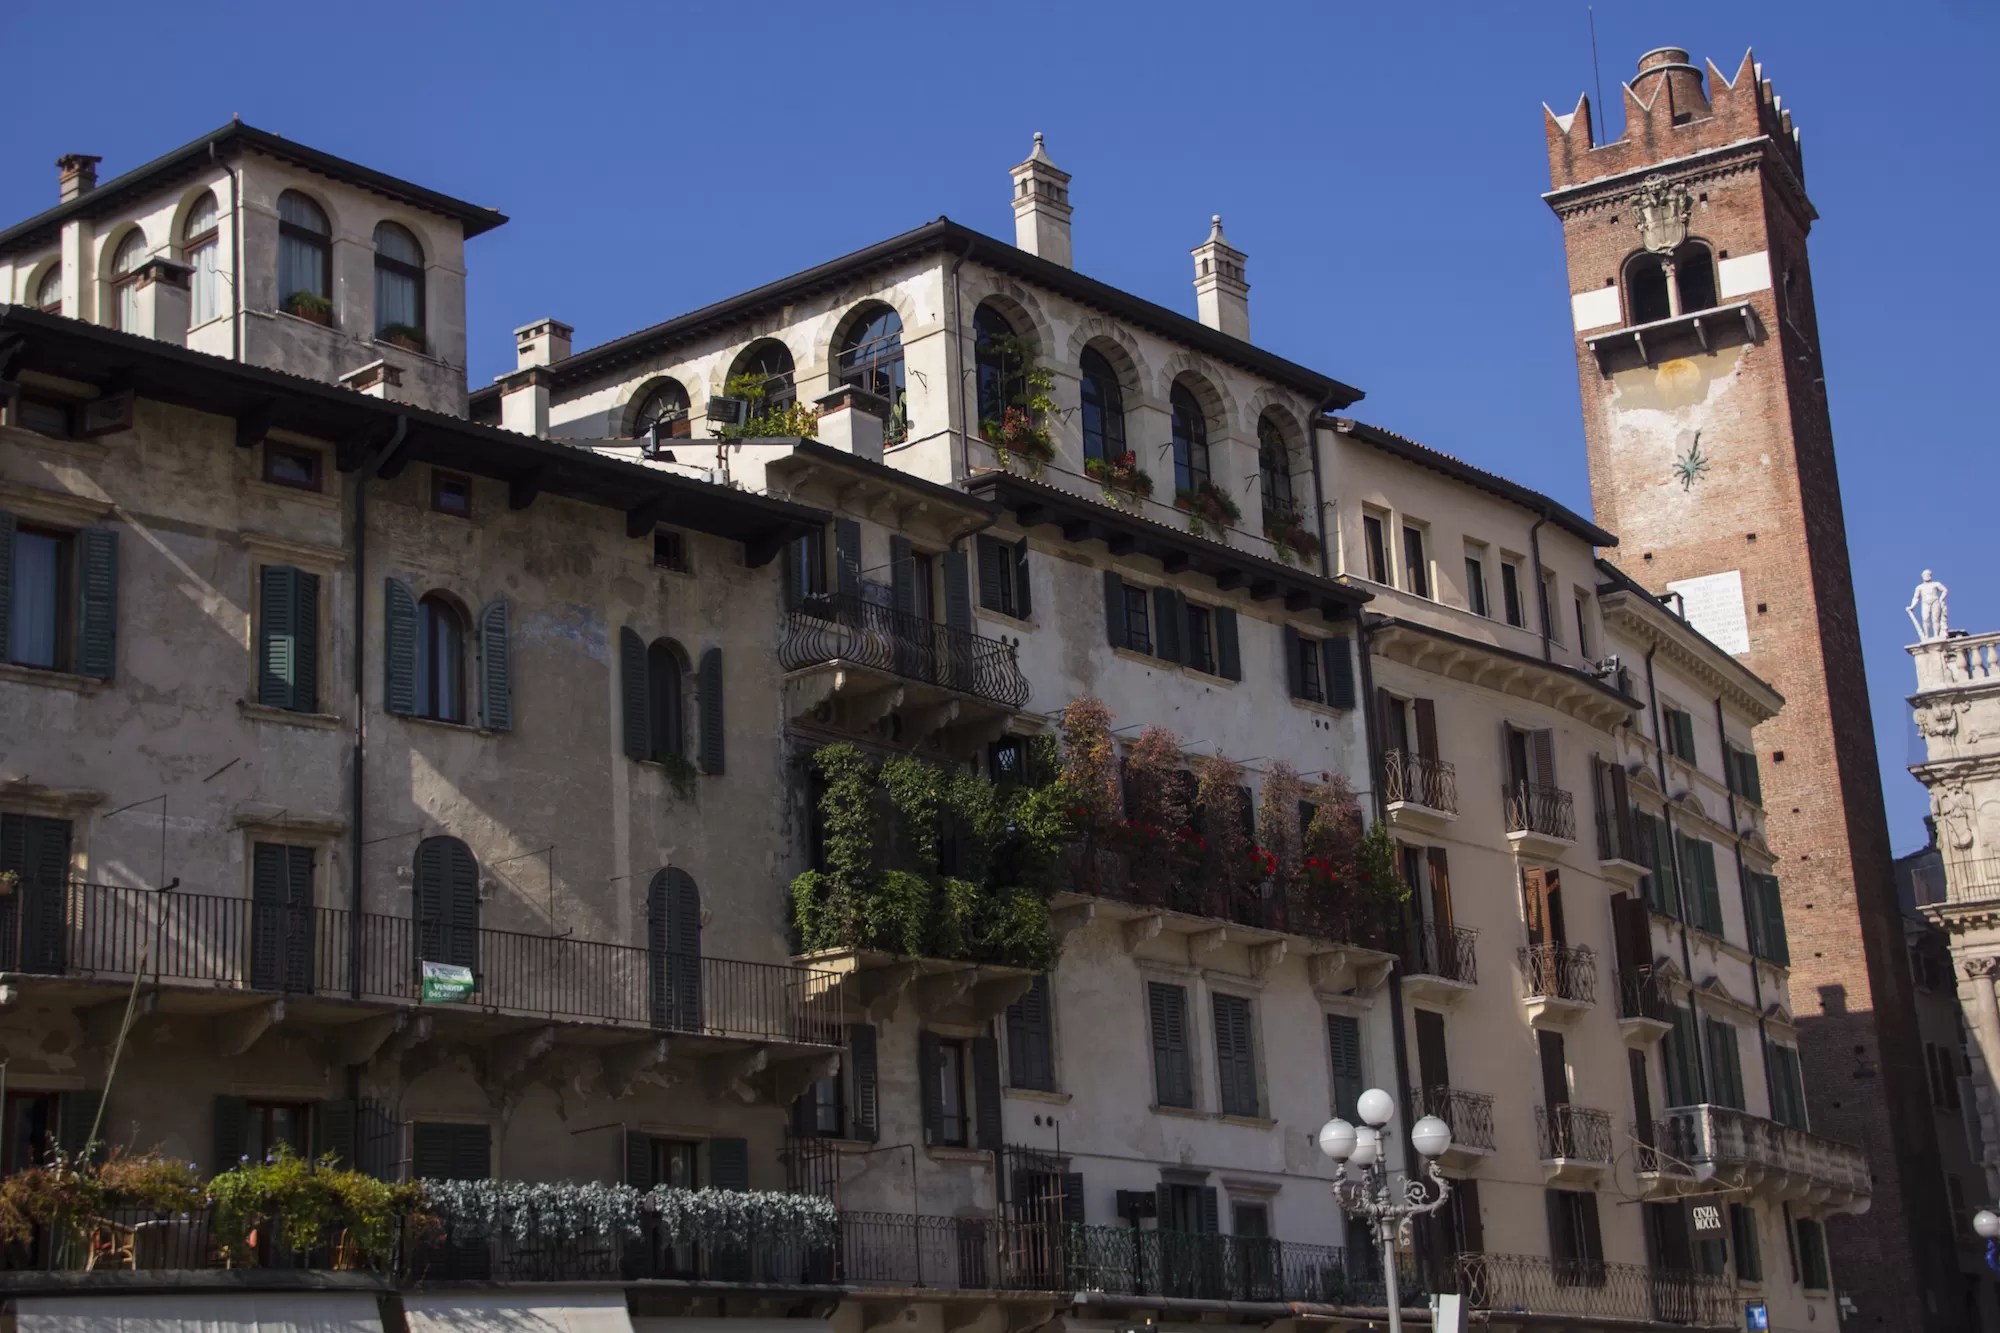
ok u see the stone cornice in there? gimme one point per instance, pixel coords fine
(1760, 153)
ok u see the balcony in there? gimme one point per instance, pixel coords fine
(871, 660)
(1470, 1115)
(1661, 1159)
(1421, 792)
(1676, 336)
(1574, 1141)
(1618, 849)
(1966, 882)
(1595, 1292)
(1440, 963)
(253, 966)
(1558, 982)
(1645, 1004)
(1541, 821)
(1737, 1150)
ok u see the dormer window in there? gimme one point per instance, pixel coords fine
(399, 284)
(1662, 287)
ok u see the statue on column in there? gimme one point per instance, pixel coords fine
(1927, 610)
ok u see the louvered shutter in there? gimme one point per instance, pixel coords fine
(471, 1152)
(928, 1061)
(1072, 1198)
(1591, 1248)
(994, 559)
(1621, 808)
(1343, 1039)
(795, 557)
(269, 868)
(1545, 758)
(1440, 873)
(37, 848)
(1228, 652)
(902, 577)
(862, 1081)
(1167, 1005)
(636, 696)
(1294, 674)
(1029, 1062)
(76, 1116)
(97, 585)
(431, 1151)
(1210, 1219)
(277, 644)
(729, 1164)
(427, 892)
(1753, 785)
(1024, 604)
(684, 949)
(986, 1093)
(399, 638)
(496, 671)
(1339, 664)
(847, 561)
(1235, 1064)
(711, 712)
(230, 1128)
(639, 1160)
(1562, 1241)
(1114, 609)
(462, 904)
(957, 594)
(659, 965)
(297, 921)
(1427, 727)
(8, 525)
(1169, 626)
(333, 1131)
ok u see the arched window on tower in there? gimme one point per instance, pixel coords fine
(1647, 298)
(871, 358)
(1694, 276)
(1103, 408)
(996, 357)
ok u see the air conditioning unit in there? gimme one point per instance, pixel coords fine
(728, 412)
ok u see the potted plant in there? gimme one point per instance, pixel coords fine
(1209, 509)
(406, 336)
(1017, 434)
(1293, 540)
(310, 306)
(1120, 477)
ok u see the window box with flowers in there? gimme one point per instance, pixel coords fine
(1209, 509)
(406, 336)
(1286, 527)
(1022, 428)
(1121, 477)
(310, 306)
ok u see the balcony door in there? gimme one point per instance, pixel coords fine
(1542, 906)
(281, 917)
(673, 951)
(1433, 1069)
(447, 903)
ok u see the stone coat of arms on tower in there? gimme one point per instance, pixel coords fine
(1663, 208)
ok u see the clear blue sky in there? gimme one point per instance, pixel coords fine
(1381, 165)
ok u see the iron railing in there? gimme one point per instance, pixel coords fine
(835, 627)
(1663, 1148)
(1592, 1289)
(1420, 780)
(138, 1239)
(1470, 1114)
(1770, 1155)
(1434, 950)
(227, 943)
(1549, 811)
(1559, 972)
(1574, 1133)
(1337, 915)
(1122, 1261)
(1643, 993)
(1617, 840)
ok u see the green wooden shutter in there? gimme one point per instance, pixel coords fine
(957, 592)
(1072, 1198)
(847, 561)
(37, 849)
(305, 640)
(1210, 1220)
(1294, 663)
(1228, 652)
(987, 1130)
(399, 634)
(8, 525)
(277, 645)
(710, 686)
(862, 1081)
(994, 559)
(76, 1114)
(496, 671)
(1167, 1009)
(430, 1151)
(1169, 626)
(927, 1071)
(639, 1160)
(1339, 672)
(462, 906)
(794, 559)
(683, 948)
(97, 616)
(1343, 1039)
(635, 697)
(1114, 609)
(903, 577)
(333, 1130)
(1023, 599)
(729, 1164)
(231, 1132)
(1028, 1048)
(1235, 1065)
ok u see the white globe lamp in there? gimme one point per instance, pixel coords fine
(1987, 1223)
(1376, 1107)
(1431, 1136)
(1336, 1140)
(1367, 1146)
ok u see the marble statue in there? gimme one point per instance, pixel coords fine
(1951, 806)
(1927, 610)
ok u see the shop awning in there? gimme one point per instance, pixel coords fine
(582, 1311)
(205, 1312)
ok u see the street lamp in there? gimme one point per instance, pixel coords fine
(1987, 1223)
(1375, 1198)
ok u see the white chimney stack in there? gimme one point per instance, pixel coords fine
(1041, 207)
(1221, 297)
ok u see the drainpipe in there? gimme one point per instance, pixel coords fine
(954, 416)
(1674, 855)
(1369, 730)
(236, 259)
(1541, 584)
(1743, 892)
(359, 777)
(1313, 427)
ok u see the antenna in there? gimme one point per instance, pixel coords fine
(1596, 77)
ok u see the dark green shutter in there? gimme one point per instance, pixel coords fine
(639, 1160)
(231, 1117)
(1023, 600)
(957, 593)
(1169, 626)
(729, 1164)
(1029, 1063)
(37, 849)
(1114, 608)
(847, 559)
(399, 633)
(927, 1070)
(1167, 1010)
(794, 558)
(76, 1115)
(277, 645)
(683, 948)
(496, 671)
(97, 588)
(462, 906)
(1339, 663)
(333, 1131)
(1072, 1198)
(986, 1093)
(902, 578)
(710, 685)
(1228, 655)
(862, 1080)
(993, 561)
(8, 524)
(1343, 1039)
(1294, 673)
(430, 1151)
(1211, 1213)
(635, 696)
(1235, 1065)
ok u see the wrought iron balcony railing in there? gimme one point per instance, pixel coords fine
(1573, 1133)
(1432, 950)
(1470, 1114)
(1764, 1154)
(227, 943)
(831, 627)
(1616, 840)
(1559, 972)
(1643, 993)
(1340, 916)
(1594, 1290)
(1663, 1147)
(1549, 811)
(1419, 780)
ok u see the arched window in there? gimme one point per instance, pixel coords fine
(201, 247)
(665, 406)
(125, 261)
(765, 369)
(440, 660)
(1646, 295)
(666, 676)
(1694, 277)
(673, 950)
(1274, 466)
(48, 292)
(305, 251)
(445, 893)
(399, 282)
(871, 358)
(1103, 408)
(1190, 439)
(996, 357)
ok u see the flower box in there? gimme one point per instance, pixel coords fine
(1209, 509)
(1120, 476)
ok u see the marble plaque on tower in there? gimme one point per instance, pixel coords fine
(1713, 604)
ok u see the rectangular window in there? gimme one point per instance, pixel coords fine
(1813, 1274)
(44, 416)
(1200, 639)
(1583, 641)
(1704, 895)
(953, 1122)
(823, 1112)
(288, 465)
(1310, 685)
(451, 493)
(1007, 761)
(31, 1122)
(1740, 771)
(288, 639)
(1235, 1056)
(1510, 594)
(1788, 1092)
(1416, 568)
(1475, 581)
(1575, 1244)
(1725, 1065)
(670, 552)
(271, 1126)
(1743, 1239)
(41, 592)
(1550, 625)
(1030, 1054)
(1003, 576)
(1138, 635)
(1173, 1073)
(1678, 1053)
(1680, 734)
(1376, 547)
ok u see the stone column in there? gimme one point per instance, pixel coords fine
(1982, 1011)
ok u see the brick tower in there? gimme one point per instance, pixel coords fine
(1711, 456)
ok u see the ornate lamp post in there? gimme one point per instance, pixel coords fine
(1987, 1223)
(1374, 1196)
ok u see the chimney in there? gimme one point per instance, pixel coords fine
(1041, 207)
(524, 399)
(853, 421)
(76, 175)
(542, 343)
(1668, 67)
(1221, 297)
(375, 379)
